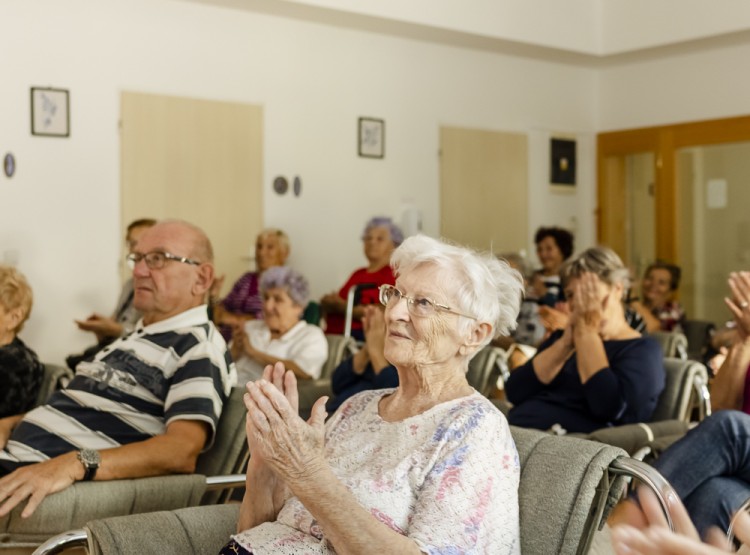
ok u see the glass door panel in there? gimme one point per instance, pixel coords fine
(713, 224)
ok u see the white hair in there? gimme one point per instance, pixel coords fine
(486, 287)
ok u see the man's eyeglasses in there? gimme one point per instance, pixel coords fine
(156, 260)
(421, 307)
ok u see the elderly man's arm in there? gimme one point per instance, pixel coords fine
(175, 451)
(6, 427)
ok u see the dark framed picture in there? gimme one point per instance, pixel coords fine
(371, 138)
(50, 112)
(563, 162)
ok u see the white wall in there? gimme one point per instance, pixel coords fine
(706, 84)
(61, 211)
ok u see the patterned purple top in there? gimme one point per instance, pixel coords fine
(446, 478)
(244, 298)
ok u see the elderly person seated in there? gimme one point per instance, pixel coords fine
(368, 368)
(657, 306)
(599, 371)
(379, 239)
(245, 302)
(21, 373)
(281, 336)
(427, 467)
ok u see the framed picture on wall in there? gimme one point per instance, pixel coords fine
(50, 112)
(371, 138)
(563, 162)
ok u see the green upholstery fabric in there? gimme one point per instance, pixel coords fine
(55, 377)
(198, 530)
(675, 401)
(564, 486)
(673, 344)
(84, 501)
(482, 370)
(633, 437)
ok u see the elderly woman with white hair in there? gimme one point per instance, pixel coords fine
(598, 371)
(427, 467)
(282, 335)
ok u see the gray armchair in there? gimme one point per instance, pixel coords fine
(673, 344)
(84, 501)
(55, 377)
(566, 487)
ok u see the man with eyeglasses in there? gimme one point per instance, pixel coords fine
(148, 404)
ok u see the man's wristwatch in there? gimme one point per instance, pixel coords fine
(90, 460)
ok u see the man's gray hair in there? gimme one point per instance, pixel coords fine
(283, 277)
(482, 285)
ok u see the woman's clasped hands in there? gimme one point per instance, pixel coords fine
(289, 446)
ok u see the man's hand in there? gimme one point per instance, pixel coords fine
(102, 326)
(36, 481)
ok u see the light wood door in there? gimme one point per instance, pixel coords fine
(196, 160)
(484, 188)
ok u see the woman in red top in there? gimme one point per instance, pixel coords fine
(380, 238)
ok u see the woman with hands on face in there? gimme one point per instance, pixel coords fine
(281, 335)
(368, 368)
(598, 371)
(427, 467)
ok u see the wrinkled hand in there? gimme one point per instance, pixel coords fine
(373, 325)
(643, 530)
(102, 326)
(291, 447)
(554, 318)
(36, 481)
(587, 306)
(241, 344)
(739, 304)
(333, 303)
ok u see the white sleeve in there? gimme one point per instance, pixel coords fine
(310, 351)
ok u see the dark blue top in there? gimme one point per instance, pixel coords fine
(624, 392)
(345, 382)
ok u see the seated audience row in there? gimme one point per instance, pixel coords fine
(429, 466)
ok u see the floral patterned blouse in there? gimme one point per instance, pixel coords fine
(446, 478)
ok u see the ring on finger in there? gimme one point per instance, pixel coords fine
(744, 304)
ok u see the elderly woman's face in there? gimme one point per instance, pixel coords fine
(550, 255)
(280, 312)
(378, 244)
(657, 286)
(9, 320)
(420, 341)
(268, 252)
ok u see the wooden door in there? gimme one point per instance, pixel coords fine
(196, 160)
(484, 188)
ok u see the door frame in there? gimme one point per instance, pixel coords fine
(663, 141)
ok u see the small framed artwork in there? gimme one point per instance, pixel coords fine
(50, 112)
(563, 162)
(371, 138)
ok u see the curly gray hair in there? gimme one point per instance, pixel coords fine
(283, 277)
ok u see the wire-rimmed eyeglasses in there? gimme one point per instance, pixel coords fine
(156, 260)
(418, 306)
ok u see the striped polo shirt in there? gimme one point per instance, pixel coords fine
(176, 369)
